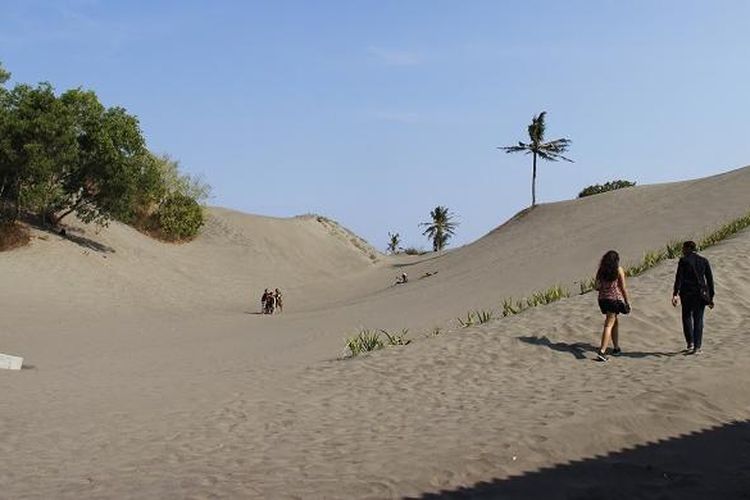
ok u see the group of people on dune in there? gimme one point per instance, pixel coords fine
(271, 302)
(693, 289)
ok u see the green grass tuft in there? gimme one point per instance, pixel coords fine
(397, 339)
(366, 341)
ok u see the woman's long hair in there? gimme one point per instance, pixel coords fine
(608, 267)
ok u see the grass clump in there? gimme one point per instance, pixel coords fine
(370, 340)
(478, 317)
(366, 341)
(724, 232)
(511, 307)
(435, 332)
(470, 320)
(485, 316)
(586, 285)
(548, 296)
(397, 339)
(673, 250)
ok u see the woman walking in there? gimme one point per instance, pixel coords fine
(613, 300)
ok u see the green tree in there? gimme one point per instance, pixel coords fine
(394, 242)
(550, 151)
(70, 154)
(104, 178)
(37, 147)
(441, 228)
(4, 75)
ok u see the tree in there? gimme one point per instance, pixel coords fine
(550, 151)
(394, 242)
(4, 75)
(37, 146)
(110, 155)
(68, 153)
(441, 229)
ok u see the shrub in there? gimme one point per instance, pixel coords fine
(603, 188)
(12, 235)
(180, 217)
(414, 251)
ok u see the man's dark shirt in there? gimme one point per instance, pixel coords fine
(685, 282)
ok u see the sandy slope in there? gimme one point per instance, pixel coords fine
(152, 378)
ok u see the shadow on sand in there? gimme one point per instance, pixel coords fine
(69, 233)
(579, 349)
(710, 464)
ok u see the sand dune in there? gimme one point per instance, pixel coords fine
(150, 376)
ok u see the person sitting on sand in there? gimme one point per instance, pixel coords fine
(278, 300)
(694, 288)
(613, 300)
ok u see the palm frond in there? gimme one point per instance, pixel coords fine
(513, 149)
(537, 128)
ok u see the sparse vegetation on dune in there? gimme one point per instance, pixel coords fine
(368, 340)
(603, 188)
(673, 250)
(371, 340)
(477, 317)
(552, 294)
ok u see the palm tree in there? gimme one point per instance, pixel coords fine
(441, 228)
(550, 151)
(394, 242)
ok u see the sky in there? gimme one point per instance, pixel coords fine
(374, 112)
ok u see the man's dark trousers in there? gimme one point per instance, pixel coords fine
(692, 319)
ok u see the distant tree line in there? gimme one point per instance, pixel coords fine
(603, 188)
(67, 153)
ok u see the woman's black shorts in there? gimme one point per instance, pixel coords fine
(613, 306)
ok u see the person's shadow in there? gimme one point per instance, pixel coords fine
(579, 349)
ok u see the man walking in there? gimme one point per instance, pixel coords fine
(694, 288)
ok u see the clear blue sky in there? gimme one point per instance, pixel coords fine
(373, 112)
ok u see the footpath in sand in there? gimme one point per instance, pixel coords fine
(128, 397)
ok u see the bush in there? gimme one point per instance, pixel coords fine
(12, 235)
(180, 217)
(414, 251)
(603, 188)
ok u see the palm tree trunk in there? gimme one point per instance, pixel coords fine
(533, 182)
